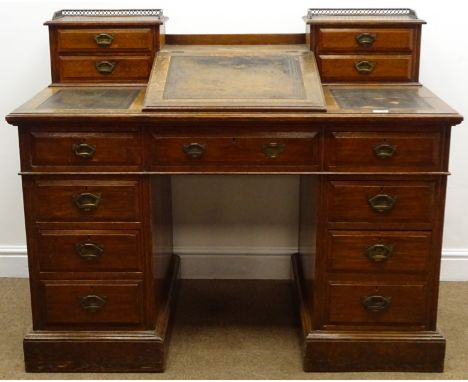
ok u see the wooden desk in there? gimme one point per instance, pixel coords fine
(98, 148)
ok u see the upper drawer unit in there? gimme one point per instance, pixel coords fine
(104, 46)
(365, 45)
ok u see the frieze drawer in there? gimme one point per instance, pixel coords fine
(90, 303)
(295, 151)
(384, 151)
(84, 151)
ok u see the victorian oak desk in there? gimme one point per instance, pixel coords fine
(129, 107)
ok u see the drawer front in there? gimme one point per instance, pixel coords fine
(384, 151)
(379, 251)
(103, 40)
(381, 202)
(84, 150)
(283, 149)
(89, 303)
(355, 304)
(86, 200)
(365, 40)
(89, 251)
(366, 68)
(105, 68)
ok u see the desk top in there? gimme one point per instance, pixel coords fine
(286, 86)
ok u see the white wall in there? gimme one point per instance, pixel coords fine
(245, 220)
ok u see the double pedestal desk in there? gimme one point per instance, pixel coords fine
(129, 107)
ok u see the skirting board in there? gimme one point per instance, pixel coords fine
(234, 263)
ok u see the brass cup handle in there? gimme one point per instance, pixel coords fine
(89, 251)
(105, 67)
(103, 40)
(366, 39)
(273, 150)
(92, 303)
(194, 150)
(84, 150)
(384, 150)
(364, 67)
(378, 253)
(87, 201)
(376, 303)
(382, 202)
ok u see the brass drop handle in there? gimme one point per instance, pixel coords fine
(364, 67)
(376, 303)
(87, 201)
(384, 150)
(84, 150)
(273, 150)
(194, 150)
(366, 39)
(103, 40)
(89, 251)
(382, 202)
(92, 303)
(378, 253)
(105, 67)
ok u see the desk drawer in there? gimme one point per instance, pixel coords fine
(89, 251)
(378, 252)
(289, 149)
(369, 304)
(86, 200)
(384, 151)
(365, 40)
(84, 151)
(382, 203)
(105, 40)
(365, 68)
(92, 303)
(105, 68)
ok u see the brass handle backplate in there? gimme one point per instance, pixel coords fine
(382, 202)
(194, 150)
(87, 201)
(84, 150)
(376, 303)
(105, 67)
(378, 253)
(89, 251)
(273, 150)
(92, 303)
(384, 150)
(364, 67)
(103, 40)
(366, 40)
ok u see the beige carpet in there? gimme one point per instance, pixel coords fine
(232, 330)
